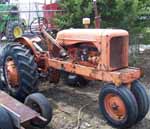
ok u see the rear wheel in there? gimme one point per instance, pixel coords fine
(142, 99)
(39, 103)
(14, 29)
(12, 11)
(19, 70)
(5, 120)
(75, 80)
(118, 106)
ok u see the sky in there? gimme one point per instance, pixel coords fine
(29, 5)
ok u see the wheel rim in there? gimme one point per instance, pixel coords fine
(115, 107)
(33, 105)
(11, 73)
(17, 32)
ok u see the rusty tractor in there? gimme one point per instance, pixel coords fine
(84, 54)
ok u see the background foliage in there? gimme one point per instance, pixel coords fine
(132, 15)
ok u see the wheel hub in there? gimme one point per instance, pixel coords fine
(17, 32)
(12, 73)
(115, 107)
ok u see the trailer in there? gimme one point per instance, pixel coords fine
(15, 114)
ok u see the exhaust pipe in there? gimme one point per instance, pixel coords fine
(63, 52)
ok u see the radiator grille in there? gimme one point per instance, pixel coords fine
(118, 52)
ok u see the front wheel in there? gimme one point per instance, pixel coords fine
(118, 106)
(142, 99)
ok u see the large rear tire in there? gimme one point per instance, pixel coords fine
(142, 99)
(19, 70)
(118, 106)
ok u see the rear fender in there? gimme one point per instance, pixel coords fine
(27, 42)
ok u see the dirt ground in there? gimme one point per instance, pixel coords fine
(77, 108)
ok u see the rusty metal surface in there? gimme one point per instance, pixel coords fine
(125, 75)
(116, 52)
(111, 54)
(74, 36)
(25, 112)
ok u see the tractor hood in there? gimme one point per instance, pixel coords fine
(72, 36)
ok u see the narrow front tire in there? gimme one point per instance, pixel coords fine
(118, 106)
(142, 99)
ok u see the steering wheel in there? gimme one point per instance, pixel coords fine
(37, 24)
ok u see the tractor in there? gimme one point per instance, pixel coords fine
(11, 25)
(84, 54)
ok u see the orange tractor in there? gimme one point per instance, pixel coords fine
(84, 54)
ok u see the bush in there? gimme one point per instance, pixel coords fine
(125, 14)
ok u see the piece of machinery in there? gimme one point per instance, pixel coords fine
(83, 54)
(93, 54)
(11, 25)
(36, 111)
